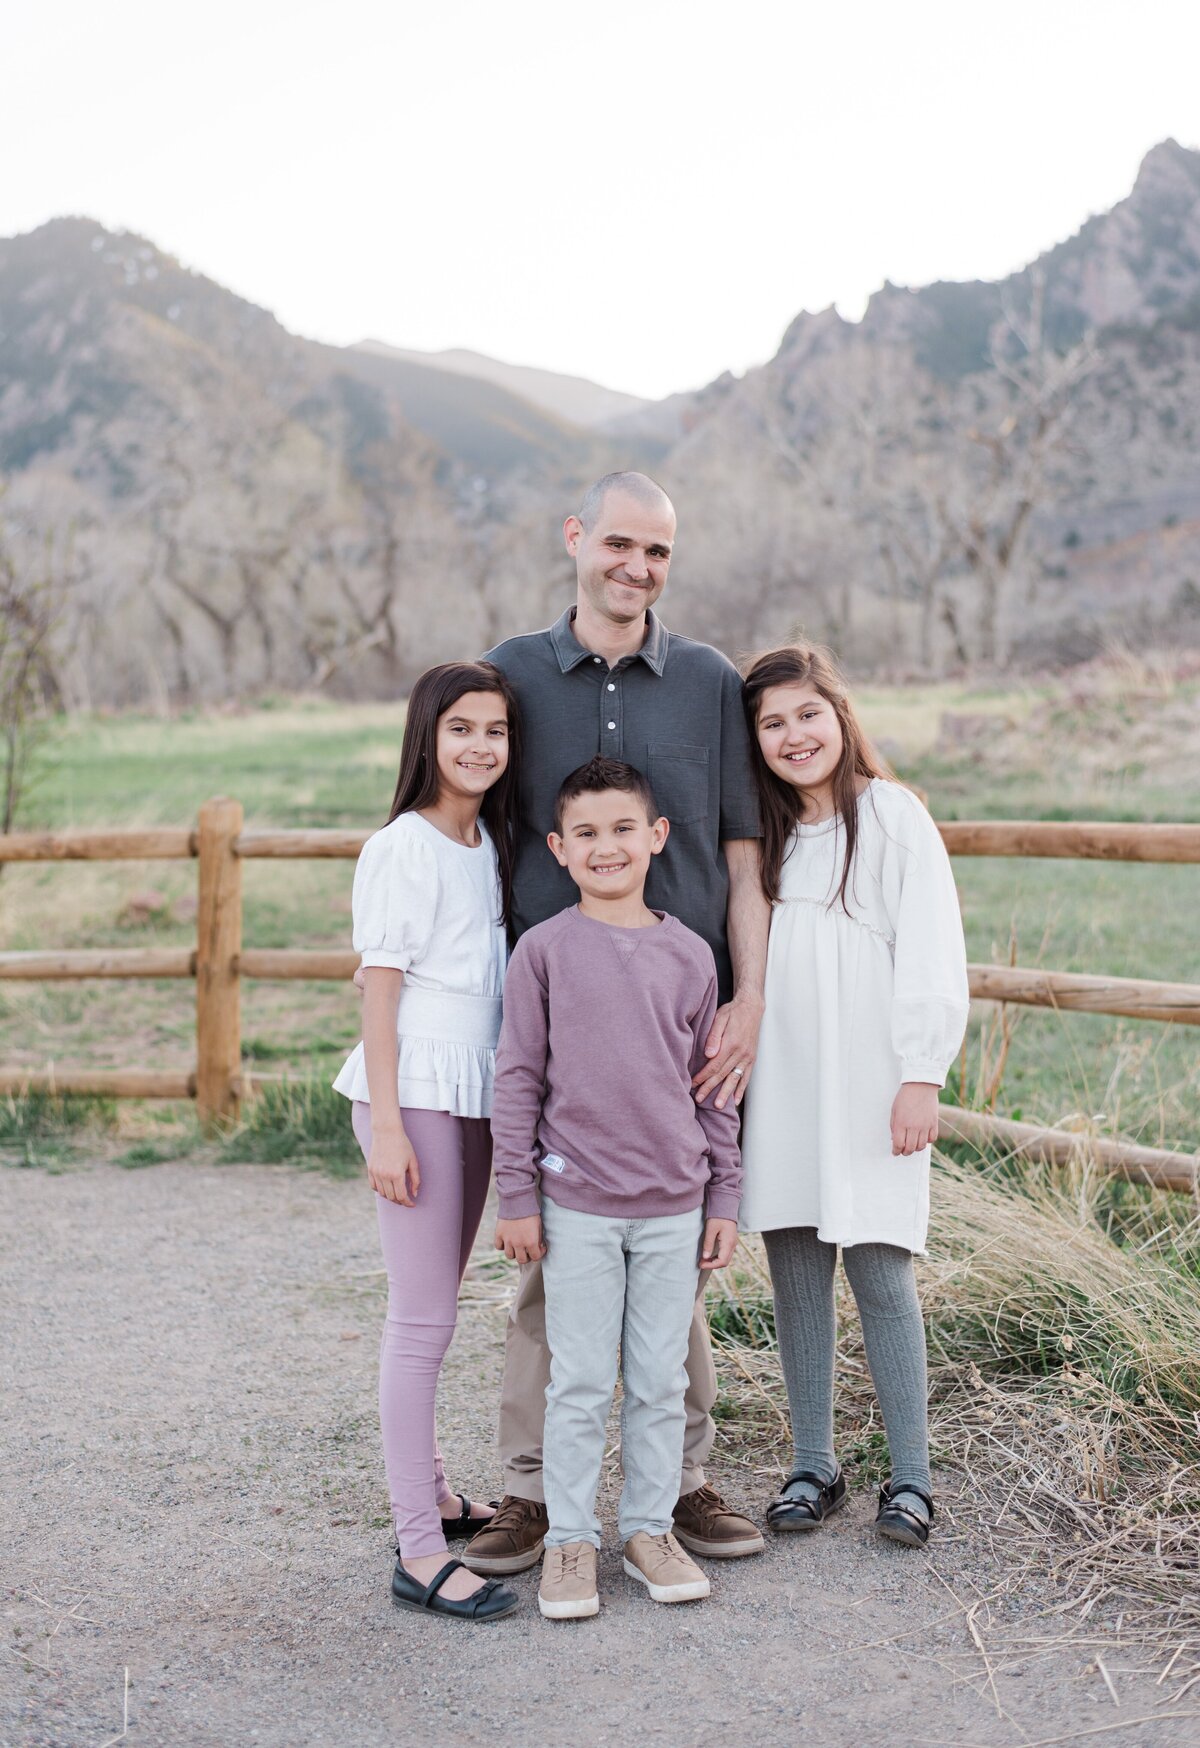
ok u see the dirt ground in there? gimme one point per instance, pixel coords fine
(192, 1493)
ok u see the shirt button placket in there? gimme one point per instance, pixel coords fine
(610, 720)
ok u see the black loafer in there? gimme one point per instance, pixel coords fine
(491, 1602)
(897, 1522)
(464, 1524)
(807, 1514)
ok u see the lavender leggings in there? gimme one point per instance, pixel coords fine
(425, 1250)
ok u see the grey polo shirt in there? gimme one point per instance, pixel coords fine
(674, 710)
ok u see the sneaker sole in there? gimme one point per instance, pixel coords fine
(719, 1550)
(694, 1592)
(500, 1566)
(578, 1610)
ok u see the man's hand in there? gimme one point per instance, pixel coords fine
(392, 1169)
(914, 1117)
(720, 1242)
(359, 980)
(521, 1240)
(732, 1044)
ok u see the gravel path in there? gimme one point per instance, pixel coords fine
(192, 1491)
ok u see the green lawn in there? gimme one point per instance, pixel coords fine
(323, 764)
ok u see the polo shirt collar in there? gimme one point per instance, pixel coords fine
(570, 651)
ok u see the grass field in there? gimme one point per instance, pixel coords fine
(1124, 743)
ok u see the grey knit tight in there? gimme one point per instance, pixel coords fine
(885, 1291)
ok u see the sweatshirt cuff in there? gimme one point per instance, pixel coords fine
(518, 1204)
(931, 1072)
(722, 1205)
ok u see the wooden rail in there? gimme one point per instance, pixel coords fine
(167, 845)
(1144, 1165)
(1131, 997)
(1079, 840)
(219, 961)
(106, 1083)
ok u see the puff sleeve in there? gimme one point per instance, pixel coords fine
(395, 898)
(930, 1001)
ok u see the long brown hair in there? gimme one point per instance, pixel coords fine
(781, 804)
(417, 785)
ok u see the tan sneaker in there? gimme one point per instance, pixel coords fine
(511, 1540)
(661, 1565)
(568, 1588)
(706, 1525)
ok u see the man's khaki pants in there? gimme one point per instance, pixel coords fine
(527, 1374)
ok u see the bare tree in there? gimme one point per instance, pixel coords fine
(986, 507)
(31, 608)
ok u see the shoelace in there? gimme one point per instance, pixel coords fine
(570, 1563)
(708, 1503)
(510, 1516)
(667, 1547)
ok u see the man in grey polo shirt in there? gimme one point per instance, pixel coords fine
(609, 677)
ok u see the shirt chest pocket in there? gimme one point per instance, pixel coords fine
(678, 773)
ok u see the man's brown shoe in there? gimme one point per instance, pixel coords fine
(706, 1525)
(511, 1541)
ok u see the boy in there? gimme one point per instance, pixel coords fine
(606, 1010)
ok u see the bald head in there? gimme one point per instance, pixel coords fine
(621, 542)
(639, 486)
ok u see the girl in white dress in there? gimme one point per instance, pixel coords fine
(431, 899)
(866, 1004)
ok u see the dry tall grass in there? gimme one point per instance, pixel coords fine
(1064, 1349)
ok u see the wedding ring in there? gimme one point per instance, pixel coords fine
(737, 1071)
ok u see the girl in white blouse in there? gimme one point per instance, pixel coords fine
(431, 901)
(866, 1004)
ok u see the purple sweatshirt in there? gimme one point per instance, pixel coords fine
(603, 1029)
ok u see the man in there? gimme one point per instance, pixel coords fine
(609, 678)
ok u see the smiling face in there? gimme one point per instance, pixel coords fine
(606, 843)
(800, 738)
(472, 745)
(622, 560)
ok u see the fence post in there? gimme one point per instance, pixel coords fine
(218, 945)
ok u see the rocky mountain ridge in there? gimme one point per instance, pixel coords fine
(974, 473)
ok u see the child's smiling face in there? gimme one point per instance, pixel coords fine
(607, 842)
(472, 745)
(800, 738)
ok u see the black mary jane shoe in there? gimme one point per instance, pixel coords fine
(464, 1524)
(807, 1514)
(491, 1602)
(897, 1522)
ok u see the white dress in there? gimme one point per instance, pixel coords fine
(855, 1004)
(430, 907)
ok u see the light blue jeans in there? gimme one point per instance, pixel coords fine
(611, 1282)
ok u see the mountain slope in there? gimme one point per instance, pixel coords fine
(973, 472)
(574, 399)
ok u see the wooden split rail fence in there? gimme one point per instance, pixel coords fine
(219, 962)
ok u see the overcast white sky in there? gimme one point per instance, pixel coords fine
(641, 191)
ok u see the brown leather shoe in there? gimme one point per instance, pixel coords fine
(511, 1541)
(706, 1525)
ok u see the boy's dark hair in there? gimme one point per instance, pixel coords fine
(597, 776)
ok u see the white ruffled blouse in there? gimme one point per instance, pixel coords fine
(430, 907)
(855, 1005)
